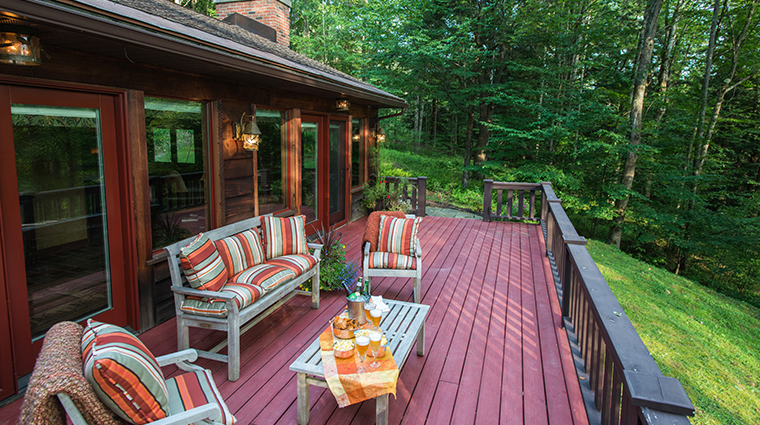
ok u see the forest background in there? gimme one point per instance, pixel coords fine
(643, 115)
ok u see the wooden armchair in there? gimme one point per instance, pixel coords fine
(399, 261)
(58, 387)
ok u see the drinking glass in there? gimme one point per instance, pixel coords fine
(368, 307)
(362, 344)
(374, 345)
(376, 315)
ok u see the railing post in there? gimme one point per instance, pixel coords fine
(421, 196)
(487, 184)
(568, 272)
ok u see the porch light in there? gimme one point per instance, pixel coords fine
(342, 105)
(248, 133)
(380, 135)
(19, 45)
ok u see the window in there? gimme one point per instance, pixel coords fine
(177, 169)
(271, 196)
(357, 157)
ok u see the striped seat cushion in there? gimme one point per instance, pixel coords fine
(203, 266)
(123, 373)
(389, 260)
(398, 235)
(245, 295)
(283, 236)
(267, 276)
(195, 389)
(298, 263)
(240, 251)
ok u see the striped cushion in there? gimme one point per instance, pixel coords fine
(245, 295)
(195, 389)
(297, 263)
(265, 276)
(203, 266)
(389, 260)
(284, 236)
(123, 373)
(240, 251)
(398, 235)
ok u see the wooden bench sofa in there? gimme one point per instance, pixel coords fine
(244, 297)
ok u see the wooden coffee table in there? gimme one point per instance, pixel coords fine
(402, 326)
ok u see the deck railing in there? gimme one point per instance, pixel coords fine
(620, 381)
(417, 196)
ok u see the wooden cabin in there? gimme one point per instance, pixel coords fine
(123, 129)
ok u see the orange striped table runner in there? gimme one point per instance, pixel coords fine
(350, 387)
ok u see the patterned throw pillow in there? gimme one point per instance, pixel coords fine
(203, 266)
(284, 236)
(240, 251)
(124, 373)
(398, 235)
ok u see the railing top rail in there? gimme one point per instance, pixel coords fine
(514, 185)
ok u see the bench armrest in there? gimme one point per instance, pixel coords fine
(317, 247)
(417, 248)
(203, 293)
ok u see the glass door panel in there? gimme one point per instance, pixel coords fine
(338, 171)
(61, 186)
(309, 170)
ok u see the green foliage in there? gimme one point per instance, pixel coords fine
(334, 270)
(386, 196)
(708, 341)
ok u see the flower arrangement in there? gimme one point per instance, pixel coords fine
(334, 270)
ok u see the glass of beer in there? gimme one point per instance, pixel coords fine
(368, 307)
(374, 345)
(362, 344)
(376, 315)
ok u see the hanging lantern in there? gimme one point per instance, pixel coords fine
(19, 45)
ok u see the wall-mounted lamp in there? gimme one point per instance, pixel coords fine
(380, 135)
(248, 133)
(342, 105)
(356, 137)
(19, 45)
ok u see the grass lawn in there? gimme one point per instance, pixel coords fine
(710, 342)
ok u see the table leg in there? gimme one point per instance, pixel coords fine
(381, 409)
(421, 341)
(303, 399)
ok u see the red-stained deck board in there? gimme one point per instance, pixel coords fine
(495, 351)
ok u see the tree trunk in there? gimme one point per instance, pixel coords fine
(484, 133)
(637, 109)
(468, 145)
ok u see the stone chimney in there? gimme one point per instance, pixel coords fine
(272, 13)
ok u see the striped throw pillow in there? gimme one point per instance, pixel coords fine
(398, 235)
(284, 236)
(240, 251)
(124, 373)
(203, 266)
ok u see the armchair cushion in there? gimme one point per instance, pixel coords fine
(267, 276)
(245, 295)
(203, 266)
(241, 251)
(397, 235)
(389, 260)
(284, 236)
(298, 263)
(123, 373)
(193, 389)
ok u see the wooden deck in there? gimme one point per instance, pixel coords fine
(495, 350)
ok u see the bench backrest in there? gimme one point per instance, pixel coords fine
(172, 251)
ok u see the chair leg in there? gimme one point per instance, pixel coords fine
(183, 335)
(233, 351)
(315, 291)
(418, 288)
